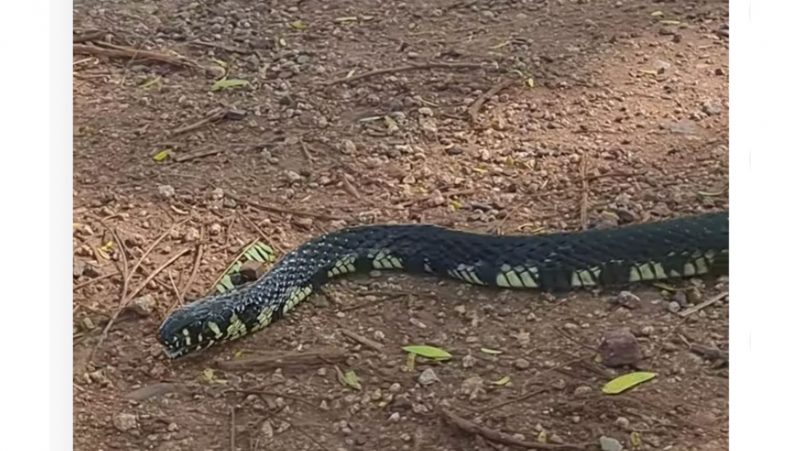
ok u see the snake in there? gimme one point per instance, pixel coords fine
(683, 247)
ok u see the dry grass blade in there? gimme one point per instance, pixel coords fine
(391, 70)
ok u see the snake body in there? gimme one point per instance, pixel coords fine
(684, 247)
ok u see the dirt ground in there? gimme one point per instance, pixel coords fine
(603, 112)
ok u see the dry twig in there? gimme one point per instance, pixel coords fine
(285, 210)
(363, 340)
(702, 305)
(117, 51)
(506, 439)
(285, 359)
(214, 115)
(390, 70)
(476, 106)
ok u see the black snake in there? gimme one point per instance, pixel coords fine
(684, 247)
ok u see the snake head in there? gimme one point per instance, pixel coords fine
(192, 329)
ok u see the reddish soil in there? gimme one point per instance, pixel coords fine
(610, 112)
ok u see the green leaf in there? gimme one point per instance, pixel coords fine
(229, 83)
(428, 352)
(162, 155)
(225, 284)
(298, 25)
(627, 381)
(266, 252)
(349, 379)
(502, 381)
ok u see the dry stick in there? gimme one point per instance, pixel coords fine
(157, 271)
(501, 437)
(390, 70)
(286, 210)
(88, 36)
(198, 254)
(584, 209)
(154, 244)
(285, 359)
(263, 235)
(92, 281)
(476, 106)
(213, 115)
(203, 154)
(363, 340)
(126, 52)
(702, 305)
(123, 299)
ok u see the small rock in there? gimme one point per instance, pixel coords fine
(215, 229)
(628, 300)
(521, 364)
(582, 390)
(348, 147)
(711, 107)
(610, 444)
(143, 305)
(608, 220)
(436, 199)
(417, 323)
(124, 422)
(395, 387)
(78, 267)
(673, 307)
(468, 361)
(648, 330)
(172, 427)
(191, 235)
(293, 176)
(394, 417)
(455, 150)
(623, 422)
(619, 347)
(680, 298)
(425, 111)
(217, 194)
(427, 377)
(252, 270)
(166, 191)
(694, 295)
(472, 386)
(266, 431)
(304, 223)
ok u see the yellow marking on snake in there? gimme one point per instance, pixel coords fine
(236, 327)
(265, 317)
(215, 329)
(343, 266)
(466, 273)
(187, 338)
(501, 281)
(527, 279)
(513, 279)
(585, 277)
(635, 275)
(298, 295)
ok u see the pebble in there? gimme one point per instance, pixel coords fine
(192, 234)
(78, 267)
(711, 107)
(266, 431)
(619, 347)
(680, 298)
(124, 422)
(468, 361)
(348, 147)
(293, 176)
(395, 387)
(143, 305)
(166, 191)
(582, 390)
(628, 300)
(623, 422)
(425, 111)
(394, 417)
(674, 307)
(521, 364)
(427, 377)
(217, 194)
(610, 444)
(215, 229)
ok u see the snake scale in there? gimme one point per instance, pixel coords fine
(683, 247)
